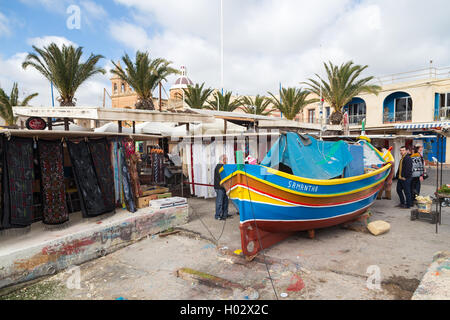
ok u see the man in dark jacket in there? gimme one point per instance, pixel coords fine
(404, 176)
(221, 198)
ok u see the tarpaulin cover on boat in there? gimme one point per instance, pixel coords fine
(308, 157)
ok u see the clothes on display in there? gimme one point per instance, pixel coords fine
(34, 178)
(156, 157)
(132, 160)
(127, 191)
(2, 158)
(205, 156)
(92, 203)
(115, 160)
(18, 176)
(101, 157)
(38, 209)
(52, 181)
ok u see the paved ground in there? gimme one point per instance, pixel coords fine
(337, 264)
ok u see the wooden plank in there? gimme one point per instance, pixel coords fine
(144, 202)
(165, 234)
(206, 279)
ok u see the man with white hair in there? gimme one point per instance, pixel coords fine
(221, 198)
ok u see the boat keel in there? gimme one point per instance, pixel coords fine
(254, 240)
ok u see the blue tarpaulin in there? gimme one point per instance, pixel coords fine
(314, 160)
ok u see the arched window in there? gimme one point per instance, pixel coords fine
(397, 107)
(115, 87)
(122, 87)
(356, 109)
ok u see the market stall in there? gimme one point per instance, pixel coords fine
(47, 175)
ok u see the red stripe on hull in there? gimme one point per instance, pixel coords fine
(311, 204)
(272, 232)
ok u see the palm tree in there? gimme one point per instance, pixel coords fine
(342, 86)
(143, 76)
(293, 100)
(7, 102)
(224, 101)
(63, 68)
(257, 106)
(196, 96)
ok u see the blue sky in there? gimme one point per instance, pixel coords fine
(266, 42)
(31, 19)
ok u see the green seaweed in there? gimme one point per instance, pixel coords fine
(43, 290)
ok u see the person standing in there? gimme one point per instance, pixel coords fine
(418, 170)
(221, 195)
(403, 175)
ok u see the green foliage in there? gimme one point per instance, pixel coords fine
(144, 75)
(224, 101)
(7, 102)
(293, 100)
(196, 97)
(257, 106)
(64, 68)
(444, 189)
(341, 86)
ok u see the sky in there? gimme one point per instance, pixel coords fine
(266, 42)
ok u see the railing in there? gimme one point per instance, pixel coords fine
(316, 121)
(426, 73)
(397, 117)
(444, 114)
(356, 118)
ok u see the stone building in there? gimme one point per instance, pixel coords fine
(123, 96)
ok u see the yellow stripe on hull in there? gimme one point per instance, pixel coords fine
(242, 193)
(309, 194)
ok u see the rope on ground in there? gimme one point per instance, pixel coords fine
(214, 238)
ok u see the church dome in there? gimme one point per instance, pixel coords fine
(183, 81)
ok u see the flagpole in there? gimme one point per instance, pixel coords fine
(51, 86)
(221, 44)
(321, 113)
(281, 113)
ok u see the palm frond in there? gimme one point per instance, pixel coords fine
(64, 68)
(343, 83)
(222, 102)
(144, 75)
(293, 100)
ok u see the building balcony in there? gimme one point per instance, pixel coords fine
(444, 114)
(397, 117)
(356, 119)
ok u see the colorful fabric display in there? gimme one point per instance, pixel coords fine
(55, 209)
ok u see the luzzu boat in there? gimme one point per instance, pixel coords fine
(303, 184)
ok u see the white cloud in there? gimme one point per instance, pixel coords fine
(92, 12)
(93, 9)
(46, 40)
(31, 81)
(4, 26)
(267, 42)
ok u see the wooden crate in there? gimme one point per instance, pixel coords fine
(144, 201)
(164, 195)
(155, 190)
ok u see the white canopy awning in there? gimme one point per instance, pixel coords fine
(113, 127)
(427, 125)
(72, 127)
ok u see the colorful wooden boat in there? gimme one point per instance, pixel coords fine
(274, 204)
